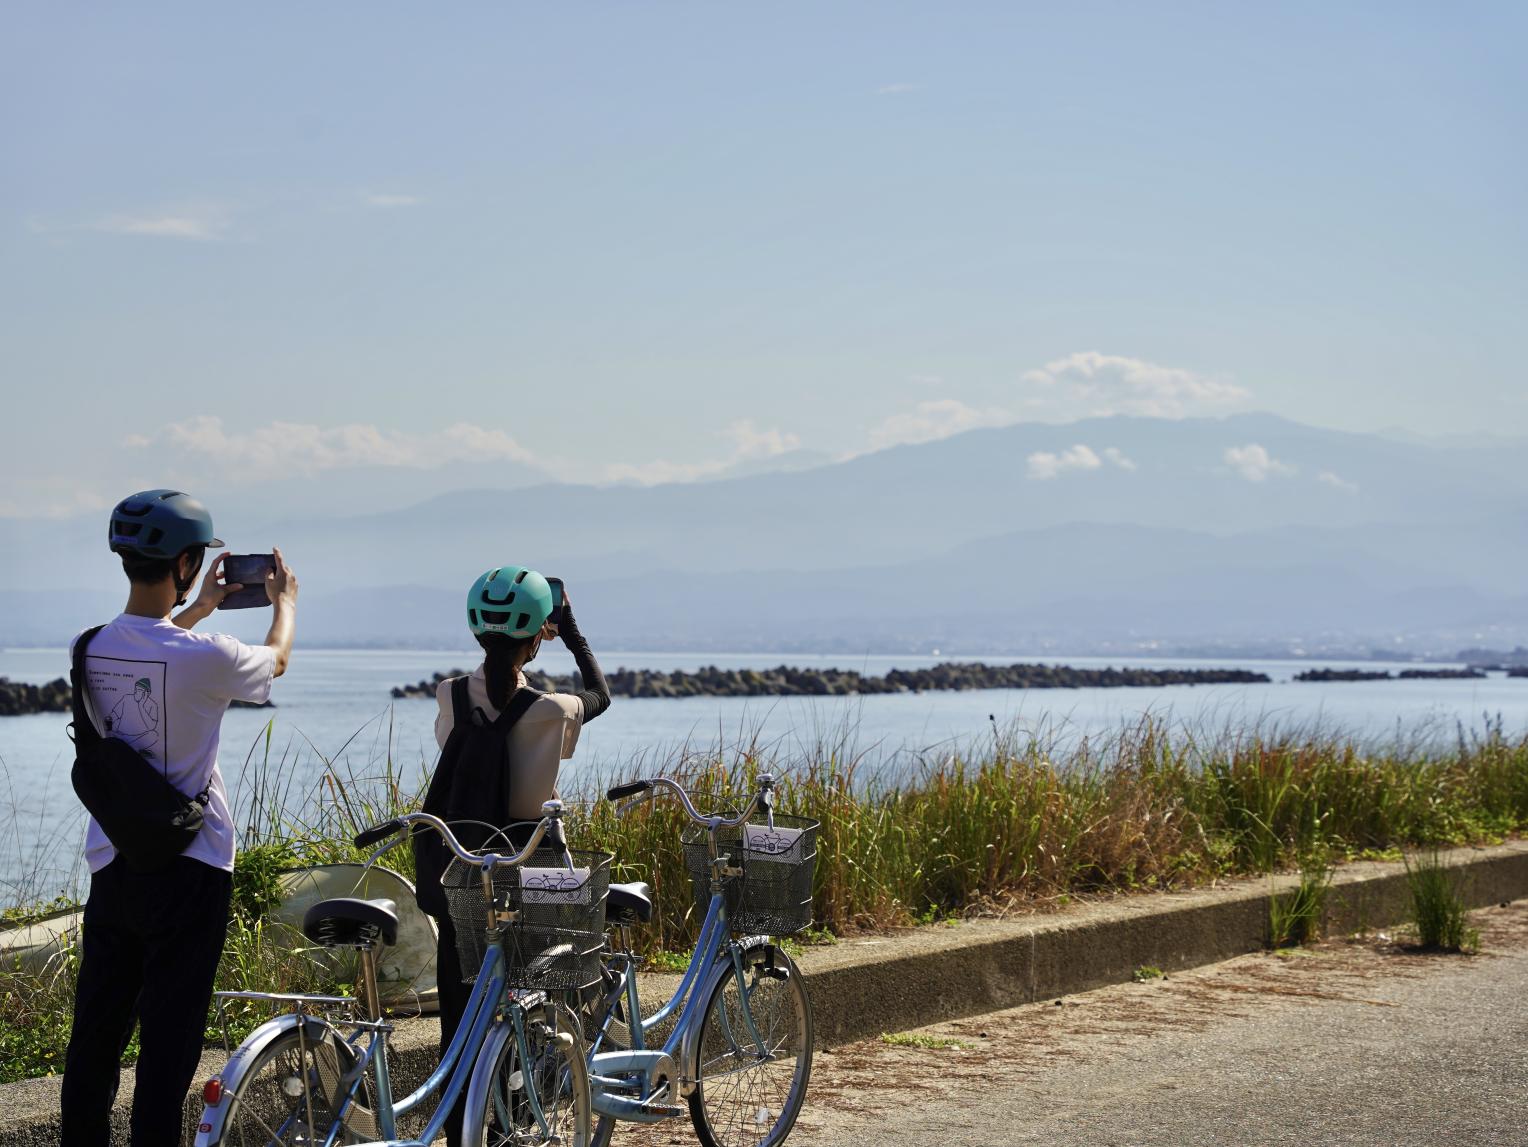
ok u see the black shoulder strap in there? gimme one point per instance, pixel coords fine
(461, 705)
(81, 724)
(518, 705)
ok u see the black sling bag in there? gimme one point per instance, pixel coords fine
(471, 783)
(144, 816)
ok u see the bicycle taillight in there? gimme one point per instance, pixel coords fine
(212, 1092)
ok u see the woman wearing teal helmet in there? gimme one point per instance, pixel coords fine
(501, 744)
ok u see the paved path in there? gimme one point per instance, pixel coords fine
(1356, 1043)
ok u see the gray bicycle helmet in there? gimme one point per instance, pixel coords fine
(160, 524)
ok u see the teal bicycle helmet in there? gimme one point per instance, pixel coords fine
(511, 600)
(160, 524)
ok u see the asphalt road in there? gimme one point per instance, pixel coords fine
(1355, 1043)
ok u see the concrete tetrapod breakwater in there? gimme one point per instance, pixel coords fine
(19, 698)
(788, 681)
(867, 985)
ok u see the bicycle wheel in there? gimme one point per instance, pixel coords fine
(747, 1093)
(293, 1093)
(553, 1066)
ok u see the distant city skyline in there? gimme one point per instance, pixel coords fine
(652, 243)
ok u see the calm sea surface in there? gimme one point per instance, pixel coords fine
(335, 704)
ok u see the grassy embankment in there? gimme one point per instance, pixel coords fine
(1015, 827)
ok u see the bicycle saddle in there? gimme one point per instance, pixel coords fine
(346, 922)
(628, 903)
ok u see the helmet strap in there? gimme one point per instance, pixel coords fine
(182, 587)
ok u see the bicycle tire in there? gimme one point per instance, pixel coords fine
(556, 1069)
(290, 1092)
(740, 1099)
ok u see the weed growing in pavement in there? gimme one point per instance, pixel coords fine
(920, 1039)
(1437, 905)
(1296, 917)
(1146, 972)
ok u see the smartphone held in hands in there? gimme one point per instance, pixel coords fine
(248, 570)
(555, 618)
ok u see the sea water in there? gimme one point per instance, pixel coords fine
(333, 707)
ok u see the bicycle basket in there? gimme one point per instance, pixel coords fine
(773, 895)
(555, 942)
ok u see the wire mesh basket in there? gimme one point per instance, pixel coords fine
(555, 942)
(773, 896)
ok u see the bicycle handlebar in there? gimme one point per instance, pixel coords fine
(368, 837)
(763, 798)
(552, 816)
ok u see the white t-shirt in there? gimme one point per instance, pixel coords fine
(164, 690)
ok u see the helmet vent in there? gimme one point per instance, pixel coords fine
(524, 622)
(154, 536)
(472, 616)
(494, 617)
(520, 577)
(128, 529)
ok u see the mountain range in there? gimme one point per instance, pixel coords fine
(1112, 533)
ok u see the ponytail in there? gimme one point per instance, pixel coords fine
(502, 659)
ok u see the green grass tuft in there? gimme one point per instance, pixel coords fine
(920, 1039)
(1437, 905)
(1297, 917)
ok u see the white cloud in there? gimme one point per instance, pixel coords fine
(896, 89)
(1045, 465)
(60, 497)
(201, 227)
(749, 444)
(373, 199)
(1255, 464)
(1327, 478)
(1089, 383)
(938, 418)
(1117, 456)
(288, 449)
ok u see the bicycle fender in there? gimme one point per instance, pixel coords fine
(474, 1106)
(209, 1129)
(689, 1047)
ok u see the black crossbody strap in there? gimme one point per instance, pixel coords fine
(81, 725)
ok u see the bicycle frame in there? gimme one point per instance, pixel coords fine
(715, 956)
(488, 1005)
(482, 1004)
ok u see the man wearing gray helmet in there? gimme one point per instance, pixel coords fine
(153, 935)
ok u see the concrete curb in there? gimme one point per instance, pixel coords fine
(864, 987)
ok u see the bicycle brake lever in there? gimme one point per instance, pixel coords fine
(627, 805)
(384, 850)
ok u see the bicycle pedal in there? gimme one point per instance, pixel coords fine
(662, 1110)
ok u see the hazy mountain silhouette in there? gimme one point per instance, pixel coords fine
(1248, 526)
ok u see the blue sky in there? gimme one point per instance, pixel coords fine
(646, 241)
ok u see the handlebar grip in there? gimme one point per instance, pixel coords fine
(630, 788)
(368, 837)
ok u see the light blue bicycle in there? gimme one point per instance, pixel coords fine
(739, 1052)
(518, 1056)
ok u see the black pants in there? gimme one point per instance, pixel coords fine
(151, 944)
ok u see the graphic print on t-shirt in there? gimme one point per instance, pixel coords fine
(129, 702)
